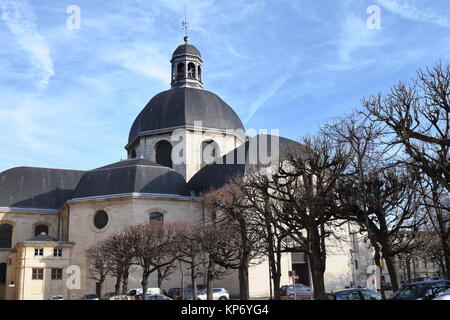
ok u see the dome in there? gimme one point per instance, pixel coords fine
(131, 176)
(186, 48)
(181, 107)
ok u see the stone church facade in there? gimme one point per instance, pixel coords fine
(50, 217)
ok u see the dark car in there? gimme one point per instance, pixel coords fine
(422, 290)
(300, 291)
(177, 294)
(353, 294)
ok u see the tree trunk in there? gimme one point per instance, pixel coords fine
(243, 281)
(383, 294)
(317, 265)
(117, 286)
(395, 281)
(209, 287)
(125, 281)
(98, 289)
(160, 279)
(408, 269)
(276, 275)
(193, 280)
(144, 283)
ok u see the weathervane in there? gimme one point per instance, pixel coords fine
(185, 25)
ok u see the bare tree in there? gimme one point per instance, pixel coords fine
(219, 243)
(153, 247)
(265, 213)
(120, 256)
(417, 114)
(99, 266)
(234, 209)
(305, 188)
(190, 250)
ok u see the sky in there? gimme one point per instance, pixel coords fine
(68, 96)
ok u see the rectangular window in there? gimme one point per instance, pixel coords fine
(57, 252)
(57, 274)
(39, 252)
(38, 274)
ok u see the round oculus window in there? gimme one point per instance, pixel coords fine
(100, 219)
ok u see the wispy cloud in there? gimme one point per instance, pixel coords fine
(409, 11)
(274, 87)
(19, 18)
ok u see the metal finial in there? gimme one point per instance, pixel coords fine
(185, 25)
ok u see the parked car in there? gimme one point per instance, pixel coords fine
(57, 297)
(218, 294)
(89, 296)
(386, 285)
(177, 294)
(423, 279)
(108, 295)
(353, 294)
(422, 290)
(443, 295)
(159, 297)
(301, 291)
(138, 291)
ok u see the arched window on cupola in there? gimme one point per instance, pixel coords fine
(210, 150)
(199, 73)
(191, 70)
(180, 70)
(133, 154)
(164, 153)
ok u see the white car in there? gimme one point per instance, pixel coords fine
(444, 295)
(218, 294)
(138, 291)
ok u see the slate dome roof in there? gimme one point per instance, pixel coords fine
(131, 176)
(219, 173)
(186, 48)
(181, 107)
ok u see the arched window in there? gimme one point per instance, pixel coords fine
(180, 70)
(133, 154)
(164, 153)
(6, 235)
(191, 70)
(156, 217)
(199, 73)
(40, 228)
(210, 150)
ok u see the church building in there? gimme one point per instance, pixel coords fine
(50, 217)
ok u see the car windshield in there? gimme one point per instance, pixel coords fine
(409, 292)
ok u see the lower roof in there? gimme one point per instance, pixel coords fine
(37, 188)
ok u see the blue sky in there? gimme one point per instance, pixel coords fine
(68, 97)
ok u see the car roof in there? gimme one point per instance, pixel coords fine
(350, 289)
(426, 282)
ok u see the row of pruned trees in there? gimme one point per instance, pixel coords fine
(209, 249)
(384, 168)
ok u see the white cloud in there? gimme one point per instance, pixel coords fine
(19, 18)
(274, 87)
(410, 11)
